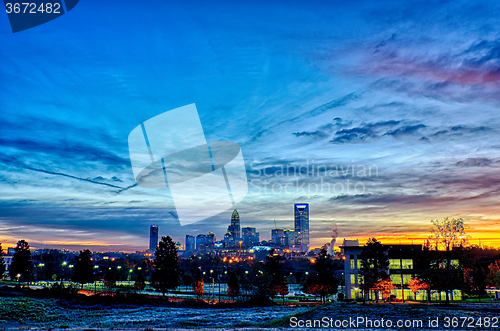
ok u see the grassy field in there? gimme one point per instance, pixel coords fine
(22, 312)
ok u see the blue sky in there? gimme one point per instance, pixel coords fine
(410, 88)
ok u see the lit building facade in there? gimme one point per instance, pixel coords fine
(403, 266)
(301, 213)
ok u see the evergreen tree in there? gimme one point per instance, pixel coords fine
(274, 272)
(374, 265)
(166, 274)
(109, 278)
(139, 284)
(233, 286)
(84, 269)
(2, 262)
(290, 279)
(479, 280)
(245, 284)
(21, 262)
(322, 282)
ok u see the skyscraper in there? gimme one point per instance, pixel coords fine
(278, 237)
(201, 240)
(234, 228)
(153, 237)
(250, 236)
(301, 211)
(290, 237)
(189, 243)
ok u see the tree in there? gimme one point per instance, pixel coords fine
(322, 282)
(443, 275)
(245, 284)
(259, 281)
(166, 274)
(274, 272)
(385, 286)
(198, 284)
(233, 286)
(479, 280)
(21, 262)
(2, 262)
(109, 278)
(290, 279)
(424, 264)
(187, 279)
(139, 284)
(374, 265)
(84, 268)
(447, 234)
(493, 277)
(416, 286)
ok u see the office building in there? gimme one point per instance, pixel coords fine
(250, 236)
(190, 244)
(403, 266)
(301, 213)
(290, 237)
(278, 237)
(200, 242)
(234, 228)
(210, 240)
(153, 238)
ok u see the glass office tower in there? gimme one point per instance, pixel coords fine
(153, 238)
(301, 211)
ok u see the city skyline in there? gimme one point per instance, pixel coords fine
(387, 114)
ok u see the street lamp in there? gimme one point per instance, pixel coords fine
(41, 265)
(95, 280)
(64, 272)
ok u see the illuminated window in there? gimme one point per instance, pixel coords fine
(359, 264)
(394, 264)
(353, 279)
(407, 263)
(396, 279)
(406, 279)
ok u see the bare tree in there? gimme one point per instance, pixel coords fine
(448, 233)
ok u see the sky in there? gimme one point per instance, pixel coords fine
(406, 93)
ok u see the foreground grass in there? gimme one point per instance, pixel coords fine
(20, 312)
